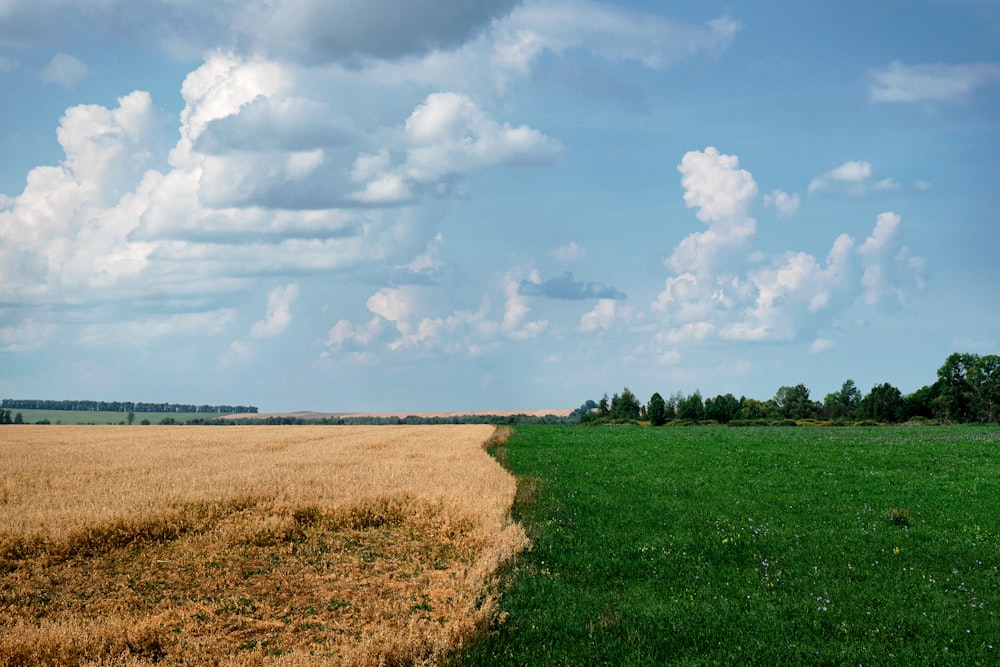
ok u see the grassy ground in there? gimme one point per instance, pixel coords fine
(708, 545)
(100, 417)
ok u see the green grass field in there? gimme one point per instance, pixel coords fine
(98, 417)
(767, 546)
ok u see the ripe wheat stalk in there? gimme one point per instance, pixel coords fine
(249, 544)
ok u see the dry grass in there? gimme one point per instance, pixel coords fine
(248, 545)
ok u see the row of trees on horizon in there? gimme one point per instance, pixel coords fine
(120, 406)
(967, 390)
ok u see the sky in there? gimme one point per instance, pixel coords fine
(488, 204)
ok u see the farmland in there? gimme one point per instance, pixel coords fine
(241, 545)
(394, 545)
(104, 417)
(765, 546)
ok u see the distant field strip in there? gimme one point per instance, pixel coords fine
(560, 412)
(246, 544)
(91, 417)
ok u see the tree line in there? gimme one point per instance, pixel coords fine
(119, 406)
(967, 390)
(371, 420)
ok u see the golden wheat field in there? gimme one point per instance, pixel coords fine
(248, 545)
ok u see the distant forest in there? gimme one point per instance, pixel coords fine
(120, 406)
(967, 390)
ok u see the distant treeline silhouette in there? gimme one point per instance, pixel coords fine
(120, 406)
(967, 390)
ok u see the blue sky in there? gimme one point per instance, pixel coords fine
(496, 204)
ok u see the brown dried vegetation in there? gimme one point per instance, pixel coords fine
(248, 545)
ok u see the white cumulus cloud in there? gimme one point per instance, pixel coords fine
(604, 315)
(853, 178)
(721, 192)
(761, 296)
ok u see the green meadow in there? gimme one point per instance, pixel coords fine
(766, 546)
(103, 417)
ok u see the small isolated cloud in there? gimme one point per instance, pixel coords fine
(279, 312)
(604, 315)
(820, 345)
(786, 204)
(64, 70)
(935, 82)
(852, 178)
(567, 287)
(571, 252)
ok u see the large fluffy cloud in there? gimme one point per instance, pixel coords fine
(310, 31)
(68, 231)
(319, 31)
(722, 193)
(758, 296)
(447, 136)
(313, 193)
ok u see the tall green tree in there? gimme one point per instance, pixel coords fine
(843, 404)
(883, 403)
(750, 408)
(985, 380)
(956, 389)
(722, 408)
(625, 406)
(656, 410)
(692, 408)
(923, 402)
(794, 403)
